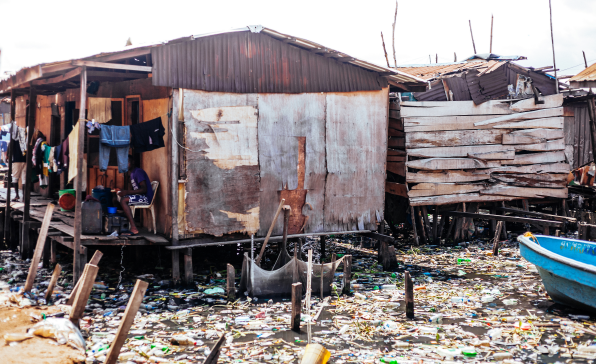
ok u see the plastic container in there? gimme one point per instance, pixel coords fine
(104, 195)
(112, 210)
(67, 199)
(436, 319)
(315, 354)
(389, 287)
(502, 356)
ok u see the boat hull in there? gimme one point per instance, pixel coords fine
(567, 281)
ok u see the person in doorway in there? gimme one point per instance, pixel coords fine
(141, 194)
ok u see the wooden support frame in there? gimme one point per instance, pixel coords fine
(116, 66)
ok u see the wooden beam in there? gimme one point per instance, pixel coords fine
(80, 301)
(279, 207)
(116, 66)
(347, 274)
(537, 214)
(67, 76)
(539, 114)
(53, 281)
(483, 152)
(451, 176)
(409, 295)
(436, 189)
(457, 198)
(77, 264)
(521, 220)
(137, 52)
(91, 75)
(41, 242)
(431, 164)
(94, 261)
(127, 320)
(398, 189)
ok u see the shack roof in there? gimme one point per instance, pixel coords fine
(57, 72)
(584, 79)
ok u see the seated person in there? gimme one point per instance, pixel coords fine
(141, 194)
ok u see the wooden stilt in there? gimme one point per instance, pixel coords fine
(347, 274)
(129, 315)
(321, 285)
(28, 168)
(82, 296)
(213, 356)
(46, 253)
(545, 230)
(296, 306)
(413, 216)
(299, 242)
(53, 281)
(323, 242)
(409, 295)
(435, 224)
(496, 238)
(7, 220)
(441, 227)
(427, 227)
(41, 242)
(231, 283)
(421, 222)
(53, 252)
(188, 273)
(504, 229)
(78, 264)
(175, 118)
(94, 261)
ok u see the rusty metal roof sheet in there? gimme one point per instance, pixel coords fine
(431, 71)
(45, 70)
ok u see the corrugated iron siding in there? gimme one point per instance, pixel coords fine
(247, 62)
(436, 93)
(459, 87)
(579, 135)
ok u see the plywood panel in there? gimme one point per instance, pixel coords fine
(356, 137)
(441, 108)
(157, 164)
(284, 121)
(222, 192)
(453, 138)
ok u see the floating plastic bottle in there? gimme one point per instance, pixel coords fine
(436, 319)
(389, 287)
(502, 356)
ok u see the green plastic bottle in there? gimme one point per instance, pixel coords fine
(388, 361)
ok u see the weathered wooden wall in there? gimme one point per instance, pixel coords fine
(459, 152)
(324, 153)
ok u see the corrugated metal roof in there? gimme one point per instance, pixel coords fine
(45, 70)
(588, 74)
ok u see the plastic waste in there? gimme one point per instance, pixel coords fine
(215, 290)
(437, 318)
(61, 329)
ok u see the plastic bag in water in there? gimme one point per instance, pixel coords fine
(61, 329)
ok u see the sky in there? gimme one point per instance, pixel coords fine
(35, 32)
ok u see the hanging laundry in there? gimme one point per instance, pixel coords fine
(58, 160)
(117, 137)
(147, 136)
(46, 158)
(100, 109)
(36, 157)
(21, 137)
(52, 160)
(92, 125)
(64, 155)
(73, 147)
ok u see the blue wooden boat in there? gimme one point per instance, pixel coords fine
(567, 268)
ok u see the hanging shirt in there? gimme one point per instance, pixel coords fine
(17, 154)
(147, 136)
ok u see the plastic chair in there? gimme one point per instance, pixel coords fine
(154, 186)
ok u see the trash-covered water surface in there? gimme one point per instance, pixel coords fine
(469, 307)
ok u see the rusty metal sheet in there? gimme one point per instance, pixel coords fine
(255, 62)
(582, 143)
(292, 159)
(222, 192)
(356, 143)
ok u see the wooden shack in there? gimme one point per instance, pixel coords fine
(252, 117)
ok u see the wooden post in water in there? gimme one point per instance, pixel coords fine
(231, 287)
(53, 281)
(323, 242)
(132, 308)
(82, 295)
(296, 306)
(347, 274)
(177, 115)
(94, 261)
(7, 223)
(25, 244)
(188, 273)
(496, 238)
(78, 264)
(409, 288)
(41, 242)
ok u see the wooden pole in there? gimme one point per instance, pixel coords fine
(504, 229)
(393, 38)
(188, 273)
(287, 212)
(436, 57)
(472, 34)
(213, 356)
(454, 57)
(552, 40)
(28, 170)
(435, 224)
(322, 280)
(347, 273)
(421, 221)
(409, 288)
(7, 223)
(323, 242)
(41, 242)
(127, 320)
(80, 301)
(94, 261)
(281, 204)
(545, 230)
(174, 174)
(77, 263)
(496, 238)
(309, 282)
(415, 230)
(231, 281)
(557, 233)
(585, 61)
(296, 306)
(53, 281)
(492, 18)
(385, 50)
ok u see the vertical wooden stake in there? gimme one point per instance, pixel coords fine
(415, 230)
(422, 227)
(78, 264)
(127, 320)
(231, 283)
(322, 281)
(347, 273)
(409, 287)
(427, 226)
(309, 281)
(215, 351)
(296, 306)
(175, 119)
(504, 229)
(41, 242)
(53, 281)
(441, 227)
(80, 301)
(94, 261)
(7, 224)
(545, 230)
(299, 244)
(496, 238)
(188, 274)
(323, 242)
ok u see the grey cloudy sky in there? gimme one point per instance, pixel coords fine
(35, 32)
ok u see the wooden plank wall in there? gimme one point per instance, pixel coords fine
(459, 152)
